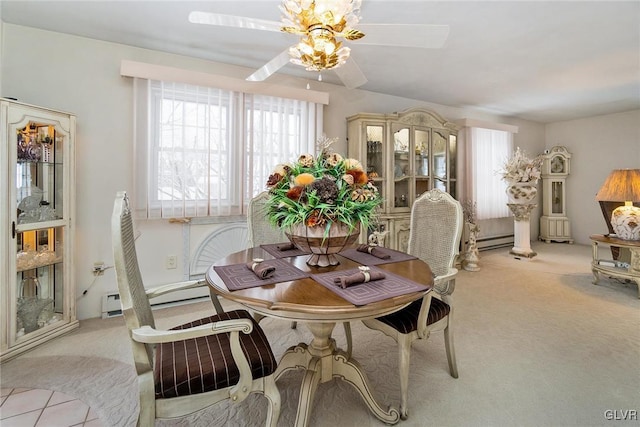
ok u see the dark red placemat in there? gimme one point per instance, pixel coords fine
(273, 250)
(238, 276)
(392, 285)
(368, 259)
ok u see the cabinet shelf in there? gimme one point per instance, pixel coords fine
(630, 271)
(21, 269)
(39, 162)
(39, 225)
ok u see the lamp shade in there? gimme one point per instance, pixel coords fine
(622, 185)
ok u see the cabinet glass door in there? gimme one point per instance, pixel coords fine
(453, 165)
(375, 156)
(402, 170)
(40, 227)
(422, 167)
(440, 160)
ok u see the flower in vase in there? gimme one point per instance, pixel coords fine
(521, 168)
(320, 190)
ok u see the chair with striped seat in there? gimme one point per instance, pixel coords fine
(436, 229)
(191, 366)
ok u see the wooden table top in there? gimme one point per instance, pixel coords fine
(614, 241)
(306, 299)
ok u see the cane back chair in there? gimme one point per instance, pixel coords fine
(191, 366)
(260, 231)
(436, 228)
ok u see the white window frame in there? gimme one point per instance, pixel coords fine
(241, 139)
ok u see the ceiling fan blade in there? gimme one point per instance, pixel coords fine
(350, 74)
(197, 17)
(270, 67)
(405, 35)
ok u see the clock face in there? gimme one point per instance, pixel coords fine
(557, 164)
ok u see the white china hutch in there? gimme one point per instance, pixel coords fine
(37, 284)
(406, 154)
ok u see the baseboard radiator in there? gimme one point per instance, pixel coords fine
(213, 241)
(111, 302)
(494, 242)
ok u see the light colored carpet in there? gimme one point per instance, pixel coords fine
(537, 345)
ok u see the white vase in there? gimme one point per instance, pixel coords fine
(521, 192)
(521, 196)
(625, 221)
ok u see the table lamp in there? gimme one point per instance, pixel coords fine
(623, 185)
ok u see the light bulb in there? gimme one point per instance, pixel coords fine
(305, 48)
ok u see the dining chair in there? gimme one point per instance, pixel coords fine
(191, 366)
(436, 228)
(261, 232)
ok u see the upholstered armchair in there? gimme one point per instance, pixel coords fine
(436, 228)
(191, 366)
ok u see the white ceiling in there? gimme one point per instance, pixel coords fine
(537, 60)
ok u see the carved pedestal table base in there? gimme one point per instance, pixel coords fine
(323, 361)
(522, 229)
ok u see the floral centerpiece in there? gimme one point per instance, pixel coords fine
(521, 168)
(327, 197)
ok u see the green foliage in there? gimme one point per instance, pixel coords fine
(292, 204)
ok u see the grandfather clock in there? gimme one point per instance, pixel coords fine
(554, 224)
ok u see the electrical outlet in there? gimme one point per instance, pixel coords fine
(98, 268)
(171, 262)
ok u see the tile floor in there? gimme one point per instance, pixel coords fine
(23, 407)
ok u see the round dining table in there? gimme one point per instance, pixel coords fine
(306, 301)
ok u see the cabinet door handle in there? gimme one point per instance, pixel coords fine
(13, 229)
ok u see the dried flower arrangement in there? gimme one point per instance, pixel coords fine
(521, 168)
(321, 190)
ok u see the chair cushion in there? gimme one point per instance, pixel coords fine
(204, 364)
(406, 320)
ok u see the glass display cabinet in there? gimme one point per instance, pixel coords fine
(37, 286)
(554, 223)
(406, 154)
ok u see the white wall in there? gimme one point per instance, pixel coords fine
(82, 76)
(598, 146)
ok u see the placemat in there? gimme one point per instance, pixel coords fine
(368, 259)
(273, 250)
(392, 285)
(238, 276)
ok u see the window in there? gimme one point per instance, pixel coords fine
(203, 151)
(487, 150)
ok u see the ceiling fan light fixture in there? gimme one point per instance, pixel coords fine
(320, 22)
(303, 48)
(318, 55)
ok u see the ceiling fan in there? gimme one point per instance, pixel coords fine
(320, 23)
